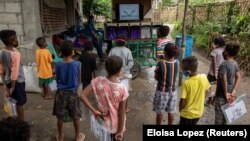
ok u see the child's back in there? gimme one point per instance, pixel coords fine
(194, 90)
(44, 63)
(109, 95)
(88, 62)
(67, 75)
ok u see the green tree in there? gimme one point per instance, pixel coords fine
(97, 7)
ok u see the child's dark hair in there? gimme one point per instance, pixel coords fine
(13, 129)
(232, 48)
(171, 50)
(120, 41)
(7, 36)
(40, 42)
(220, 41)
(113, 65)
(163, 31)
(67, 48)
(190, 63)
(88, 46)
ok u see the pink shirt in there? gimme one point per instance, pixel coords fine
(109, 95)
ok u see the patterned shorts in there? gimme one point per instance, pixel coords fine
(165, 101)
(219, 116)
(67, 100)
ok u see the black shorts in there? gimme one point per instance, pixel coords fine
(211, 78)
(19, 93)
(185, 121)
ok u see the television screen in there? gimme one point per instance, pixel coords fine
(129, 12)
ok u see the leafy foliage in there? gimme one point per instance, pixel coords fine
(97, 7)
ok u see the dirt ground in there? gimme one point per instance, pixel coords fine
(39, 111)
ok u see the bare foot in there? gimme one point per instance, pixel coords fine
(80, 137)
(127, 110)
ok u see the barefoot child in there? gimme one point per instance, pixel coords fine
(44, 66)
(165, 99)
(11, 70)
(88, 64)
(228, 81)
(68, 78)
(111, 98)
(122, 51)
(193, 91)
(216, 59)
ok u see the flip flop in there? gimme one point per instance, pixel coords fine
(82, 137)
(48, 98)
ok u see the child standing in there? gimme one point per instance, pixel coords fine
(44, 66)
(111, 98)
(193, 92)
(11, 70)
(228, 81)
(125, 54)
(88, 64)
(216, 60)
(162, 41)
(166, 71)
(68, 77)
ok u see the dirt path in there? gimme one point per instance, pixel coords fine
(39, 111)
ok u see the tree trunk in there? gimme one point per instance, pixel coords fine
(183, 44)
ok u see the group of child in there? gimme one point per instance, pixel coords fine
(110, 93)
(224, 72)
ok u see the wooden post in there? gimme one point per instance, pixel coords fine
(183, 44)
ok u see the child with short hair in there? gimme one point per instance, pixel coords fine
(166, 71)
(11, 70)
(88, 64)
(193, 92)
(162, 41)
(111, 98)
(122, 51)
(228, 81)
(216, 59)
(44, 67)
(68, 78)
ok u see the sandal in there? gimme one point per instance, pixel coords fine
(81, 137)
(48, 97)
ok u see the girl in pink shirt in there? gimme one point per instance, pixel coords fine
(111, 98)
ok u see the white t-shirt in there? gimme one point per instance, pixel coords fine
(217, 53)
(126, 57)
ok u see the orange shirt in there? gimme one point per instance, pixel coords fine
(44, 63)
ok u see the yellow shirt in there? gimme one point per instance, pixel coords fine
(43, 61)
(193, 91)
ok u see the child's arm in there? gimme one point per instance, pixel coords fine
(224, 84)
(182, 104)
(121, 120)
(214, 64)
(237, 82)
(85, 100)
(157, 71)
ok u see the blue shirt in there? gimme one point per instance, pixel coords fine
(90, 27)
(166, 73)
(67, 75)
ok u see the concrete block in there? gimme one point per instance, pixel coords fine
(20, 18)
(3, 26)
(17, 27)
(13, 7)
(2, 9)
(7, 18)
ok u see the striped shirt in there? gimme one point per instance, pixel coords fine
(166, 73)
(160, 47)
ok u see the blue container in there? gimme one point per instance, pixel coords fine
(189, 44)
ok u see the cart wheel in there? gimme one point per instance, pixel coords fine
(135, 70)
